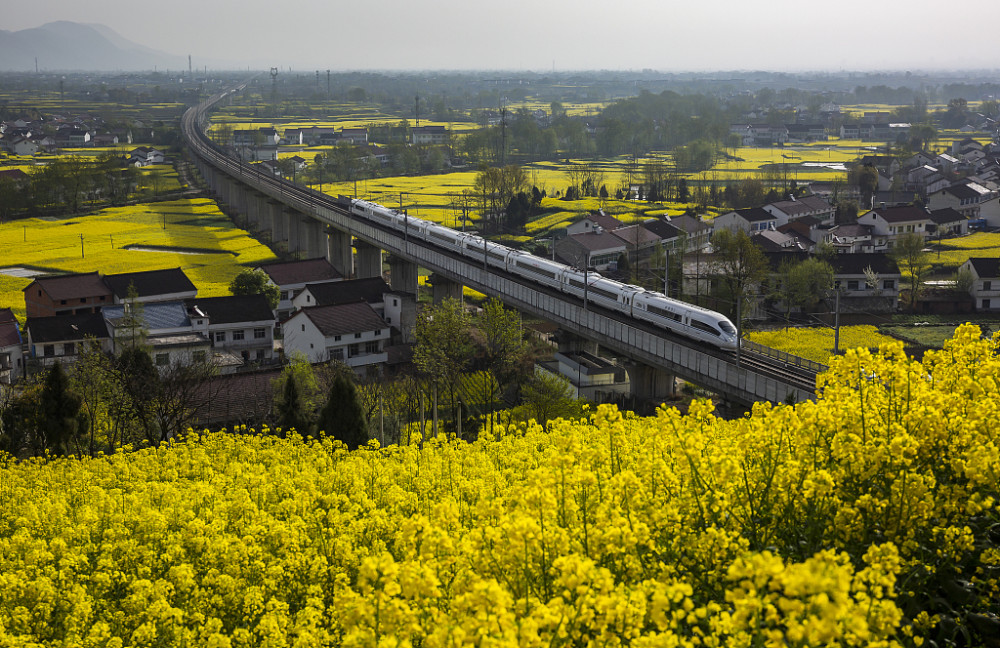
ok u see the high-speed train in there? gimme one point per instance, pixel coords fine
(677, 316)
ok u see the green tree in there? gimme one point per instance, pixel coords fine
(255, 282)
(342, 417)
(504, 348)
(804, 284)
(290, 409)
(59, 406)
(548, 396)
(739, 264)
(443, 347)
(909, 254)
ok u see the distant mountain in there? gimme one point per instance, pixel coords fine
(67, 45)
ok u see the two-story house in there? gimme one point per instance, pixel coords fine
(965, 198)
(595, 250)
(789, 210)
(434, 135)
(292, 276)
(240, 324)
(59, 338)
(10, 347)
(891, 222)
(151, 286)
(985, 289)
(750, 219)
(165, 327)
(350, 333)
(66, 294)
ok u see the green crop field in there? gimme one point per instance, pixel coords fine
(190, 234)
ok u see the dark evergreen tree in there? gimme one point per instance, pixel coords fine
(343, 417)
(60, 407)
(292, 409)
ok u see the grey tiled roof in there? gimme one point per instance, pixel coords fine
(342, 319)
(151, 282)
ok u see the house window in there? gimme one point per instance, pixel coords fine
(198, 356)
(986, 304)
(162, 359)
(336, 338)
(372, 346)
(220, 336)
(889, 284)
(62, 302)
(303, 328)
(395, 302)
(852, 284)
(238, 335)
(259, 333)
(353, 350)
(69, 348)
(83, 300)
(49, 350)
(260, 355)
(357, 336)
(987, 285)
(337, 354)
(284, 295)
(378, 332)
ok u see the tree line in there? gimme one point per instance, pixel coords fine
(69, 183)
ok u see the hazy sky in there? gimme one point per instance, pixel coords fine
(541, 34)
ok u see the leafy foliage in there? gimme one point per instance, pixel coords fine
(862, 519)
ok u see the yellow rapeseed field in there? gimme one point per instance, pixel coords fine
(815, 343)
(191, 234)
(840, 522)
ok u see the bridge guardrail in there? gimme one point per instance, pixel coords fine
(782, 356)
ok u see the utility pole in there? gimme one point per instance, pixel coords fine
(416, 108)
(81, 247)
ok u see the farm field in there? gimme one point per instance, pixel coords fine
(834, 522)
(816, 344)
(190, 234)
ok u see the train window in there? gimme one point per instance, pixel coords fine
(539, 271)
(702, 326)
(662, 312)
(604, 293)
(727, 327)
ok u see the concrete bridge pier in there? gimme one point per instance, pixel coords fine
(571, 343)
(315, 243)
(256, 210)
(368, 260)
(445, 288)
(339, 252)
(651, 383)
(403, 276)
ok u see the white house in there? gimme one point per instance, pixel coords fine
(751, 219)
(10, 347)
(985, 288)
(145, 156)
(965, 198)
(789, 210)
(349, 333)
(292, 276)
(242, 325)
(891, 222)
